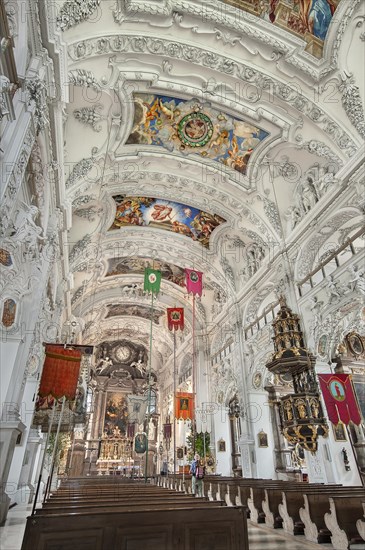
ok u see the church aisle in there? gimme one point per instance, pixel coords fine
(262, 538)
(11, 534)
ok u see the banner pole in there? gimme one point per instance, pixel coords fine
(44, 457)
(174, 403)
(184, 437)
(193, 379)
(49, 480)
(149, 392)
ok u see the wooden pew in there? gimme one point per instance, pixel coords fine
(316, 505)
(218, 529)
(341, 520)
(152, 520)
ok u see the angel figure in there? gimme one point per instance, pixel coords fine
(25, 229)
(357, 281)
(139, 366)
(333, 290)
(104, 364)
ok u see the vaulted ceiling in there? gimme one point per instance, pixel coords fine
(189, 127)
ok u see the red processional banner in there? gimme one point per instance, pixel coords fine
(60, 372)
(131, 430)
(339, 397)
(167, 431)
(194, 281)
(184, 406)
(175, 318)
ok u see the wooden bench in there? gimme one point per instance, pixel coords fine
(307, 509)
(344, 513)
(316, 505)
(140, 518)
(198, 528)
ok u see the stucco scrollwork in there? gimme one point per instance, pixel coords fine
(199, 56)
(74, 12)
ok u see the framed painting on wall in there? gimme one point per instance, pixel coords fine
(339, 432)
(263, 440)
(221, 446)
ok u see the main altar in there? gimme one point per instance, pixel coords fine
(116, 456)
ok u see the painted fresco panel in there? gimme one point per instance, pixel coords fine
(193, 128)
(167, 215)
(119, 310)
(307, 18)
(136, 265)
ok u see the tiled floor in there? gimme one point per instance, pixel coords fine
(260, 538)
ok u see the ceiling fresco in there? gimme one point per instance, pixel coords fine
(307, 18)
(167, 215)
(135, 310)
(127, 266)
(190, 127)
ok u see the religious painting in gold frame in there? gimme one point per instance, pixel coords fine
(263, 440)
(355, 343)
(339, 432)
(221, 446)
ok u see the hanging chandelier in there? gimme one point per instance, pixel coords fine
(301, 413)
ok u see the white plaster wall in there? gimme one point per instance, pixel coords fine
(258, 413)
(8, 351)
(26, 412)
(222, 431)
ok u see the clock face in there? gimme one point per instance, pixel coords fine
(123, 353)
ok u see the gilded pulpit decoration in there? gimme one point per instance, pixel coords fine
(301, 412)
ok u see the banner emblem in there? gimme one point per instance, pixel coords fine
(194, 276)
(194, 281)
(337, 390)
(175, 318)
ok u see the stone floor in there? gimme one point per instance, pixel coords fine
(263, 538)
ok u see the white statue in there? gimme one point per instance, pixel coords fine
(357, 281)
(139, 366)
(316, 309)
(309, 196)
(333, 290)
(25, 230)
(104, 364)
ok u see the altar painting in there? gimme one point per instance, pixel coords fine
(116, 414)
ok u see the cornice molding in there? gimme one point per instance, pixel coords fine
(289, 50)
(195, 55)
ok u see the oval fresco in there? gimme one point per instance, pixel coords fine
(9, 313)
(5, 258)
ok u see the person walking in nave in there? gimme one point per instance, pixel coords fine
(197, 470)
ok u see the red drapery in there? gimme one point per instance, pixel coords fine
(167, 431)
(60, 372)
(131, 429)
